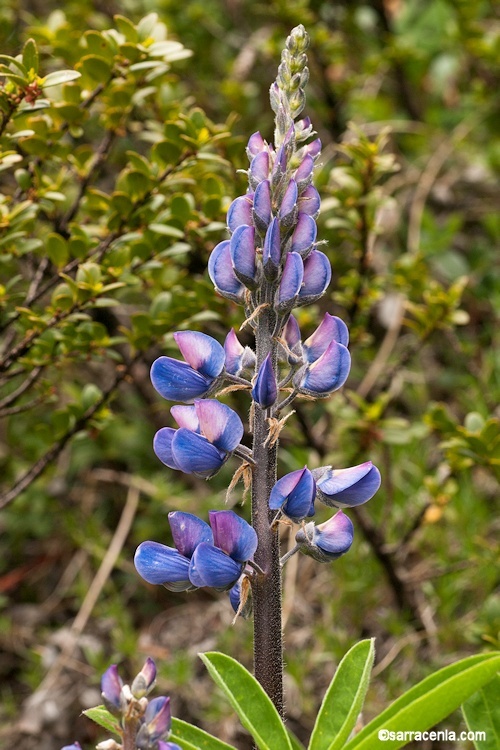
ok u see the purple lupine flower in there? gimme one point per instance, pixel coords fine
(290, 283)
(169, 566)
(317, 276)
(240, 211)
(221, 564)
(74, 746)
(255, 145)
(288, 209)
(157, 720)
(197, 376)
(309, 202)
(144, 682)
(259, 168)
(222, 275)
(162, 745)
(304, 172)
(304, 235)
(111, 689)
(265, 389)
(208, 433)
(326, 374)
(330, 329)
(238, 357)
(271, 250)
(243, 255)
(294, 494)
(347, 488)
(262, 208)
(291, 337)
(329, 540)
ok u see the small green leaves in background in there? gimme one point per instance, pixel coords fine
(344, 698)
(429, 702)
(252, 704)
(482, 714)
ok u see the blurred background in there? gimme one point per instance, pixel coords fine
(113, 191)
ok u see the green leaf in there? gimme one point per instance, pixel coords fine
(428, 703)
(97, 68)
(58, 77)
(482, 714)
(30, 56)
(344, 698)
(167, 230)
(101, 716)
(252, 704)
(193, 738)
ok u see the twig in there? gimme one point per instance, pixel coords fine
(12, 397)
(428, 178)
(41, 465)
(98, 583)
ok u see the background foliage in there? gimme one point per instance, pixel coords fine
(114, 187)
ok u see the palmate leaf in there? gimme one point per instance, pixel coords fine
(344, 698)
(190, 737)
(428, 703)
(252, 704)
(482, 714)
(104, 718)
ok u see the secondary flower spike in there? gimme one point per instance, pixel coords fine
(209, 432)
(329, 540)
(197, 376)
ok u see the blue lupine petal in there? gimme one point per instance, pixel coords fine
(255, 145)
(294, 494)
(158, 718)
(262, 211)
(202, 352)
(210, 566)
(330, 329)
(74, 746)
(265, 389)
(111, 686)
(317, 275)
(168, 745)
(194, 454)
(310, 202)
(240, 211)
(335, 535)
(291, 280)
(220, 424)
(288, 208)
(186, 416)
(220, 270)
(271, 251)
(233, 534)
(234, 353)
(144, 682)
(235, 595)
(304, 235)
(347, 488)
(313, 148)
(242, 248)
(178, 381)
(259, 168)
(188, 531)
(162, 446)
(159, 564)
(291, 334)
(303, 174)
(328, 373)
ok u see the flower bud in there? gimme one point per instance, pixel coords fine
(265, 390)
(144, 682)
(329, 540)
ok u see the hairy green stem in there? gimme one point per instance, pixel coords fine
(266, 589)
